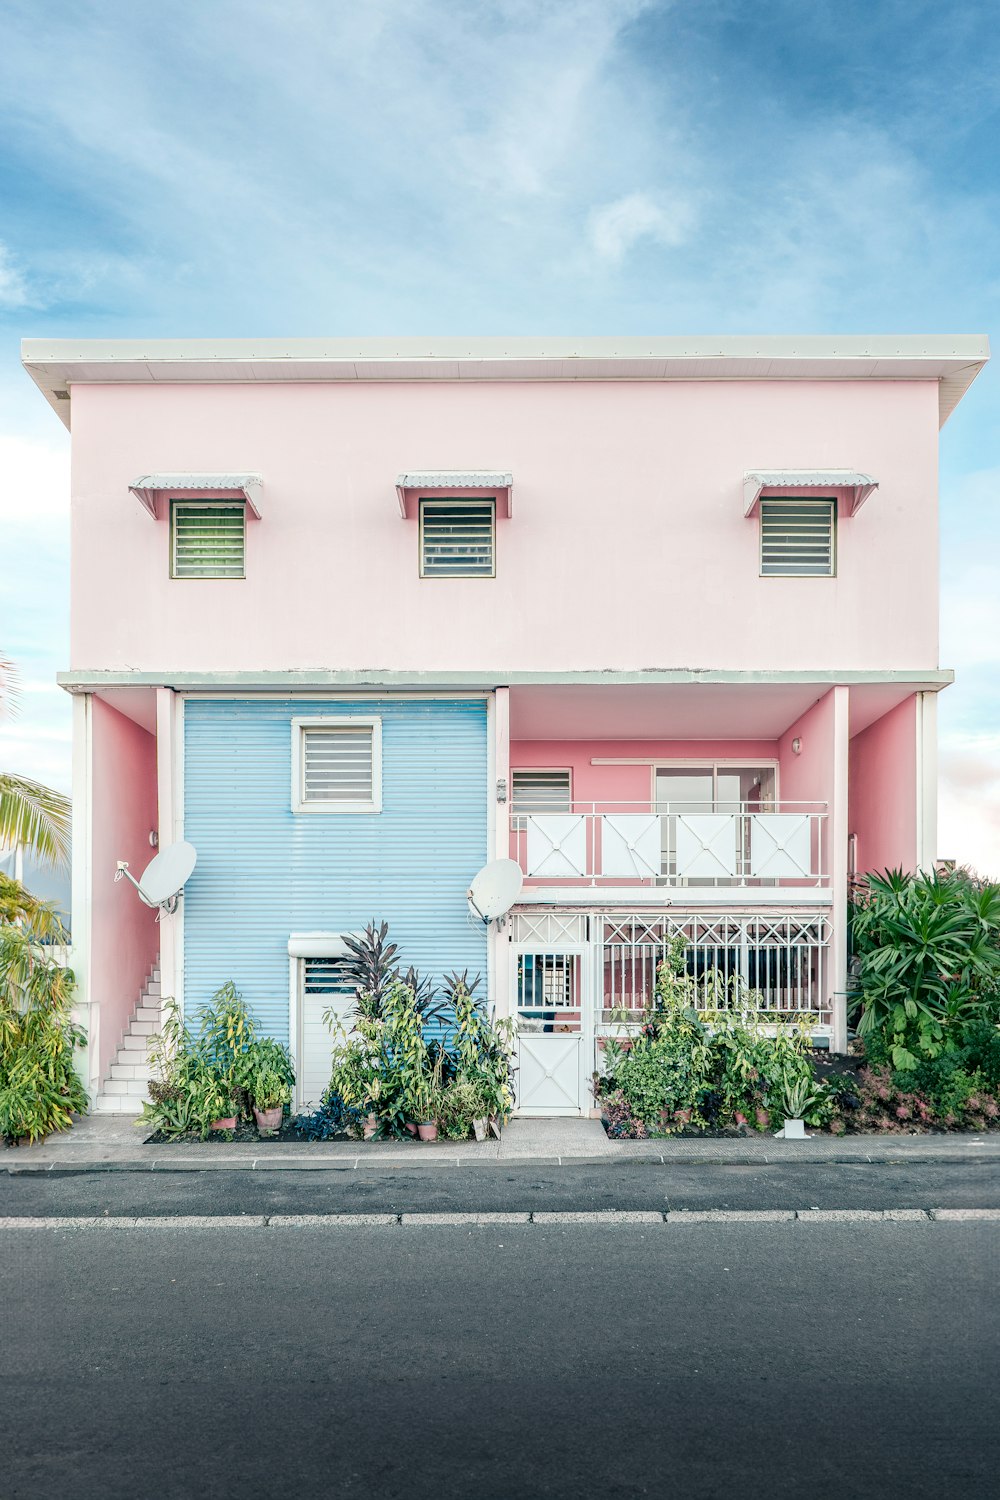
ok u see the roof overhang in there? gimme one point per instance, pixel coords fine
(953, 361)
(148, 489)
(449, 483)
(849, 486)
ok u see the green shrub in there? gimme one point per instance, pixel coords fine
(40, 1089)
(928, 951)
(217, 1072)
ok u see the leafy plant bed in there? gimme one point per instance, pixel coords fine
(244, 1135)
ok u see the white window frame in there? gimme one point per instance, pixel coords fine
(335, 721)
(454, 501)
(189, 502)
(830, 500)
(519, 819)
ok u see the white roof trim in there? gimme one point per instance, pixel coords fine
(454, 481)
(953, 360)
(317, 945)
(149, 486)
(857, 487)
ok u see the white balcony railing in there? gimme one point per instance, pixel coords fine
(687, 844)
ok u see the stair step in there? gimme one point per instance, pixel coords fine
(115, 1104)
(152, 988)
(147, 1013)
(137, 1044)
(124, 1069)
(142, 1028)
(129, 1087)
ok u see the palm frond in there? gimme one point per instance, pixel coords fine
(10, 686)
(36, 817)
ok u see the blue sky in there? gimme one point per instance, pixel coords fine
(244, 167)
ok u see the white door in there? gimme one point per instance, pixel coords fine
(551, 1002)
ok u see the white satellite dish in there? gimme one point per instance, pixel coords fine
(164, 877)
(495, 889)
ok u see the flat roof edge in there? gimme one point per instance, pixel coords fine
(83, 680)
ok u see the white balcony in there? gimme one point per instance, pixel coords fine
(777, 846)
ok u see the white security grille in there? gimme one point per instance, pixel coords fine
(797, 538)
(776, 961)
(338, 765)
(208, 540)
(456, 538)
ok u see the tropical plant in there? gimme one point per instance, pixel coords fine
(214, 1073)
(928, 960)
(19, 908)
(31, 815)
(40, 1089)
(371, 966)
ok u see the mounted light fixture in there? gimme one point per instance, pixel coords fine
(796, 746)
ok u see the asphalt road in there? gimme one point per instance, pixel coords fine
(772, 1360)
(494, 1187)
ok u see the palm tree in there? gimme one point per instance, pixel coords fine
(31, 815)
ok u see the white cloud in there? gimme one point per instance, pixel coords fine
(615, 228)
(13, 287)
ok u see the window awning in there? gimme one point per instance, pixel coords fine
(444, 482)
(148, 487)
(856, 487)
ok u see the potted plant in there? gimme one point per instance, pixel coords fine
(795, 1097)
(424, 1100)
(269, 1093)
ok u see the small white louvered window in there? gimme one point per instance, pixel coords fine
(327, 976)
(547, 791)
(797, 538)
(457, 538)
(337, 765)
(207, 541)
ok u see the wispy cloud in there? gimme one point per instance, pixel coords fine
(615, 228)
(13, 286)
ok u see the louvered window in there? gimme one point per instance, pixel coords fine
(797, 538)
(327, 976)
(457, 538)
(338, 765)
(207, 541)
(545, 791)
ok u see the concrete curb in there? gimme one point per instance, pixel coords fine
(212, 1163)
(684, 1218)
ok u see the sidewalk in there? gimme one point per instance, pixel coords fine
(113, 1143)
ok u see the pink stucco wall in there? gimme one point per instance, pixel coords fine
(627, 549)
(124, 937)
(614, 784)
(809, 775)
(883, 791)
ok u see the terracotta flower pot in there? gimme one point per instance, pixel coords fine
(370, 1127)
(268, 1119)
(428, 1131)
(411, 1127)
(228, 1123)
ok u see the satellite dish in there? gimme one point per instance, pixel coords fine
(495, 889)
(164, 877)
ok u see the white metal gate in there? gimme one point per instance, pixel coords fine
(551, 1001)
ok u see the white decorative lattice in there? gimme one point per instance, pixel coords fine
(548, 929)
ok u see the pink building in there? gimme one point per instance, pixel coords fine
(658, 618)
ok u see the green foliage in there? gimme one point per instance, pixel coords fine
(385, 1065)
(928, 950)
(18, 907)
(40, 1089)
(685, 1071)
(217, 1072)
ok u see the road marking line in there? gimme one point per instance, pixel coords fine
(485, 1219)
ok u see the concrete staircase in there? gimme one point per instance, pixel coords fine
(124, 1089)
